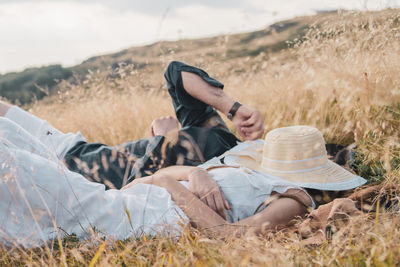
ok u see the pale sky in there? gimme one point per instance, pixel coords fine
(41, 32)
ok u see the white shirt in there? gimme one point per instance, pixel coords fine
(37, 192)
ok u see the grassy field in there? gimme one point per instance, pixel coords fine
(342, 77)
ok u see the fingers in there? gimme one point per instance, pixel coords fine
(217, 205)
(226, 204)
(212, 203)
(205, 188)
(254, 132)
(217, 202)
(256, 126)
(255, 117)
(252, 128)
(250, 123)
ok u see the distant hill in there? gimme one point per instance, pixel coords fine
(35, 83)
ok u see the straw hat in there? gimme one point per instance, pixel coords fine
(296, 154)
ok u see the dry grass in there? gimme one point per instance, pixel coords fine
(343, 78)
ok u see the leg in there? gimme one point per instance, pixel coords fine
(189, 110)
(15, 136)
(100, 163)
(115, 166)
(40, 200)
(200, 122)
(56, 141)
(119, 165)
(97, 162)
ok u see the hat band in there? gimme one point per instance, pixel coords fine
(296, 171)
(295, 164)
(294, 161)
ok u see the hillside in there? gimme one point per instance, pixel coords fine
(35, 83)
(341, 77)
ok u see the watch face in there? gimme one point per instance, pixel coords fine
(229, 116)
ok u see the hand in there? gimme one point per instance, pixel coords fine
(206, 189)
(249, 123)
(163, 125)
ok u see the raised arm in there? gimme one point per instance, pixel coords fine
(248, 121)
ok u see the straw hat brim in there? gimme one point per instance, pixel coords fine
(330, 176)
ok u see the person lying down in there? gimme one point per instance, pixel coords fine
(40, 199)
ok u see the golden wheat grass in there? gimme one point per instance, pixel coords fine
(341, 77)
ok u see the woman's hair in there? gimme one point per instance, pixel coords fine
(322, 197)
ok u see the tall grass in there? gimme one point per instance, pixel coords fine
(342, 77)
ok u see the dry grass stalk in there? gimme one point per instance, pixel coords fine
(342, 78)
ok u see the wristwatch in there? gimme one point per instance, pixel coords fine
(233, 110)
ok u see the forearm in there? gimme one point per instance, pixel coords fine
(248, 121)
(201, 90)
(179, 173)
(277, 215)
(199, 214)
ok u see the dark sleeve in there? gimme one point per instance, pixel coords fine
(189, 110)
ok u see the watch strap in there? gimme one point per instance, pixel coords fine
(233, 110)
